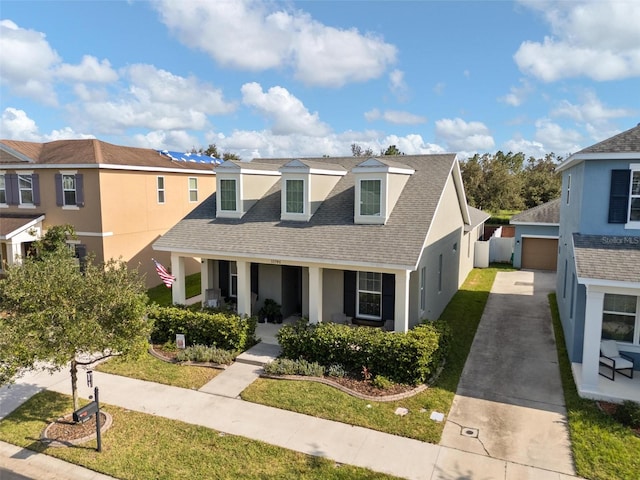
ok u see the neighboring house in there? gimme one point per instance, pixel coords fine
(119, 199)
(378, 240)
(536, 237)
(598, 282)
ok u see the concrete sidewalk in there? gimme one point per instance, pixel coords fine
(216, 406)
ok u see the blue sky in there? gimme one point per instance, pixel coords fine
(299, 79)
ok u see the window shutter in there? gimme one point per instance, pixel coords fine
(58, 180)
(13, 195)
(619, 196)
(35, 178)
(79, 190)
(349, 298)
(254, 278)
(388, 296)
(223, 277)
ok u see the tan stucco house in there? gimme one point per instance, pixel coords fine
(119, 199)
(385, 240)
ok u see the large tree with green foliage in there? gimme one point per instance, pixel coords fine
(54, 314)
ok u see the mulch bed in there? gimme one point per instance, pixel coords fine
(64, 432)
(610, 409)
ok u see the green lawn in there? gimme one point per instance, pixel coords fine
(151, 369)
(463, 315)
(602, 448)
(144, 447)
(161, 295)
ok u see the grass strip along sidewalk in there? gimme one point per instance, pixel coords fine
(603, 449)
(144, 447)
(463, 316)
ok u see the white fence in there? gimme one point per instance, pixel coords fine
(497, 249)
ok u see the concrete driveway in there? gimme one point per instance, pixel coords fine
(509, 404)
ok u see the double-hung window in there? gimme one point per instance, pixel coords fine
(193, 189)
(25, 189)
(3, 189)
(370, 197)
(160, 189)
(369, 295)
(620, 318)
(228, 195)
(69, 192)
(295, 196)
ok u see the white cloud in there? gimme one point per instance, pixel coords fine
(394, 116)
(255, 35)
(288, 113)
(155, 99)
(397, 85)
(599, 40)
(175, 140)
(557, 139)
(591, 110)
(517, 95)
(27, 62)
(89, 70)
(439, 87)
(530, 148)
(459, 135)
(15, 124)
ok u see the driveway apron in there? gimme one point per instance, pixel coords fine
(509, 404)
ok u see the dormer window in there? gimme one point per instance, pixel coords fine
(228, 193)
(378, 185)
(370, 198)
(294, 192)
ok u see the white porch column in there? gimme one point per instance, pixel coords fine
(591, 342)
(14, 254)
(401, 313)
(244, 288)
(315, 294)
(178, 292)
(204, 277)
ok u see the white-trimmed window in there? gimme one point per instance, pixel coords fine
(423, 288)
(228, 196)
(369, 295)
(193, 189)
(3, 189)
(160, 189)
(69, 193)
(233, 285)
(294, 196)
(370, 197)
(620, 319)
(25, 189)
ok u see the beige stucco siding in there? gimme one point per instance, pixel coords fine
(395, 184)
(321, 185)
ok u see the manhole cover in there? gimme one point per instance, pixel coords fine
(469, 432)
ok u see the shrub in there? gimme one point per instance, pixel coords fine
(336, 370)
(285, 366)
(628, 414)
(222, 330)
(401, 357)
(202, 353)
(382, 382)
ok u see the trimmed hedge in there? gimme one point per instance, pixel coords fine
(409, 358)
(227, 331)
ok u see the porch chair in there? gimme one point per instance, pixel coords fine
(614, 360)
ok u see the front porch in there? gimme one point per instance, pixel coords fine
(617, 391)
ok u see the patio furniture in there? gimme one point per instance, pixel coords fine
(613, 359)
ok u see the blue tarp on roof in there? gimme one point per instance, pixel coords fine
(191, 157)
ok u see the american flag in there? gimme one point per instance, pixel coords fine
(166, 277)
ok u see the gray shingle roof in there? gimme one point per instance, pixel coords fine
(331, 234)
(546, 213)
(627, 141)
(607, 257)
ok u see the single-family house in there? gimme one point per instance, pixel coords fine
(536, 237)
(598, 280)
(384, 240)
(119, 199)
